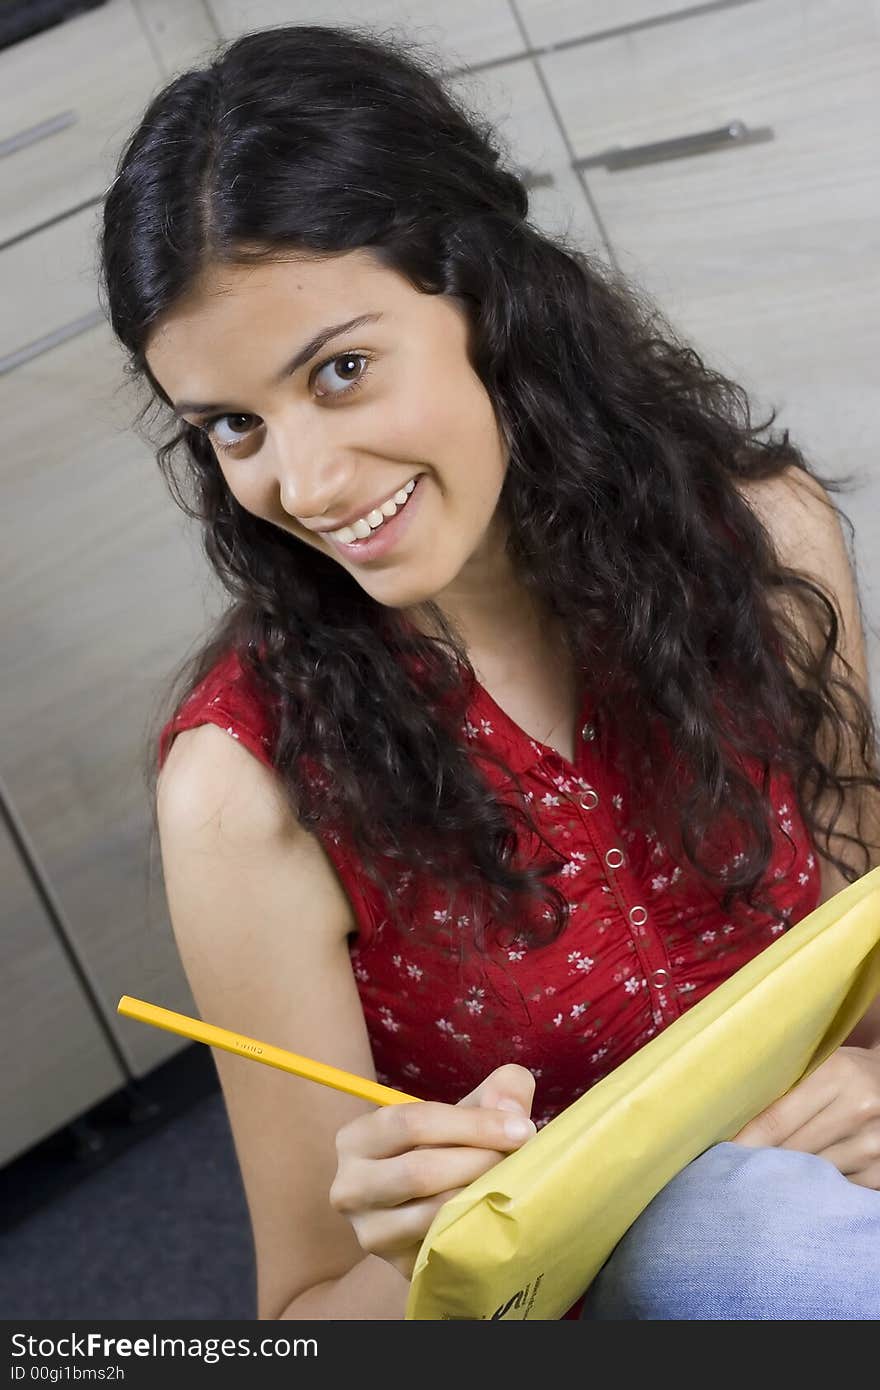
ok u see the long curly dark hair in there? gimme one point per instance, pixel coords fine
(622, 514)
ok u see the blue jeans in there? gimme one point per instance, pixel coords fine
(745, 1233)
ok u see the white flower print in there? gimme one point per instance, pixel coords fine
(515, 955)
(445, 1026)
(397, 960)
(468, 729)
(811, 863)
(617, 801)
(389, 1020)
(597, 1056)
(441, 915)
(414, 971)
(361, 974)
(708, 935)
(412, 1070)
(659, 883)
(783, 809)
(776, 928)
(557, 1019)
(686, 988)
(585, 963)
(803, 878)
(786, 825)
(577, 1010)
(633, 985)
(548, 799)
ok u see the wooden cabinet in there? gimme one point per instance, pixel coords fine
(104, 589)
(758, 240)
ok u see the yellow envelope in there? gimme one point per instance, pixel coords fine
(528, 1237)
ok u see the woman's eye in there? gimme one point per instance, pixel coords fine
(238, 430)
(228, 431)
(348, 384)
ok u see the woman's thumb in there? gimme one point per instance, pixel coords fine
(509, 1087)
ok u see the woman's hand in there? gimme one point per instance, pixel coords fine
(834, 1112)
(399, 1164)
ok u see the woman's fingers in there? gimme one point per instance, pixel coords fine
(415, 1176)
(427, 1124)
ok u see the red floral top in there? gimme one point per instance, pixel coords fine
(644, 942)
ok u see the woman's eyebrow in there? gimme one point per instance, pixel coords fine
(299, 359)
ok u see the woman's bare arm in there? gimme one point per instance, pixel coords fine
(260, 921)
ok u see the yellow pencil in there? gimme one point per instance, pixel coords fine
(260, 1052)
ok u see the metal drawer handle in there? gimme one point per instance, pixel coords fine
(50, 340)
(682, 147)
(535, 179)
(37, 132)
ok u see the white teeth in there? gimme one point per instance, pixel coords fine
(361, 528)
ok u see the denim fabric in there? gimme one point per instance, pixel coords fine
(747, 1233)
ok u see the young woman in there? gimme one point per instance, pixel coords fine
(539, 708)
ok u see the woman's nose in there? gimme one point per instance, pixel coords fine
(310, 482)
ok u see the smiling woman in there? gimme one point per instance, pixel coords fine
(297, 451)
(477, 803)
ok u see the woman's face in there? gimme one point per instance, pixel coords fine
(371, 409)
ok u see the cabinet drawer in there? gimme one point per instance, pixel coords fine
(48, 288)
(58, 1061)
(463, 35)
(90, 77)
(565, 21)
(763, 254)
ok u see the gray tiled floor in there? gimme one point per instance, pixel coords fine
(161, 1232)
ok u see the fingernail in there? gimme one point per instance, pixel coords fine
(519, 1129)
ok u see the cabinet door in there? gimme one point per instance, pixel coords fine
(68, 97)
(104, 589)
(58, 1061)
(465, 34)
(764, 254)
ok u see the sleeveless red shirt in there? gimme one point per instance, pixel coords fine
(645, 940)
